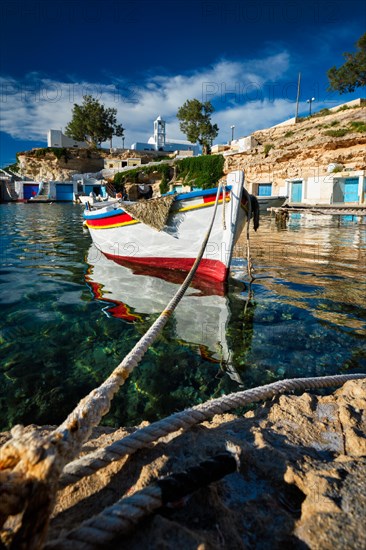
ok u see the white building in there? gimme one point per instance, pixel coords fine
(55, 138)
(118, 164)
(159, 142)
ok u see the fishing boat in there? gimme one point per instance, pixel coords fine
(270, 202)
(126, 236)
(204, 332)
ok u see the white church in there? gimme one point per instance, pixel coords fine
(159, 142)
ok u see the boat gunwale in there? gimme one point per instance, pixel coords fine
(90, 215)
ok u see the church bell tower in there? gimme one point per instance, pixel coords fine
(159, 133)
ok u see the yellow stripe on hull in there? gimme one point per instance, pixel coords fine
(185, 209)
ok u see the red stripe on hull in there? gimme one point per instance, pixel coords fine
(112, 219)
(212, 198)
(208, 269)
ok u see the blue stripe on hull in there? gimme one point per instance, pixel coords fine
(179, 197)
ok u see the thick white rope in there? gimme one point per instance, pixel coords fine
(89, 464)
(121, 517)
(88, 413)
(223, 207)
(43, 460)
(113, 521)
(249, 256)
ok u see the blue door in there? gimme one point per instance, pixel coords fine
(64, 192)
(296, 191)
(351, 190)
(97, 189)
(30, 190)
(264, 189)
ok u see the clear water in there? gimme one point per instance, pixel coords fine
(67, 318)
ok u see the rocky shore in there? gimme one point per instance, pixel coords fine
(301, 482)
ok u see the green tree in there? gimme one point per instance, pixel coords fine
(93, 123)
(196, 123)
(352, 74)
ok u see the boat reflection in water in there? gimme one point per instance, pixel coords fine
(201, 319)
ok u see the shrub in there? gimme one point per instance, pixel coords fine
(164, 186)
(133, 175)
(13, 167)
(337, 133)
(59, 152)
(358, 126)
(322, 112)
(267, 148)
(289, 134)
(204, 171)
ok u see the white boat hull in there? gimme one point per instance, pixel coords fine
(130, 242)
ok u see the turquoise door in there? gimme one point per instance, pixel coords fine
(64, 192)
(97, 189)
(296, 191)
(264, 189)
(351, 190)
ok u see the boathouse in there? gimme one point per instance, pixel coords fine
(348, 187)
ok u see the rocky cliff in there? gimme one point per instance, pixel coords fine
(60, 164)
(305, 149)
(301, 150)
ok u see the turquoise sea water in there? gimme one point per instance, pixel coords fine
(68, 317)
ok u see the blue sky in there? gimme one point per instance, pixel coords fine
(146, 58)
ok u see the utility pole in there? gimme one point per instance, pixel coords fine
(310, 102)
(298, 97)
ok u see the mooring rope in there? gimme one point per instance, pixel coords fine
(120, 518)
(93, 407)
(250, 267)
(144, 437)
(31, 464)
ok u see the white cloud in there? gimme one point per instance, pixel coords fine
(237, 89)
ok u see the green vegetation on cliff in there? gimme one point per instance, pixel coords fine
(202, 172)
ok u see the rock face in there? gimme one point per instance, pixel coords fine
(301, 483)
(43, 164)
(303, 150)
(61, 164)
